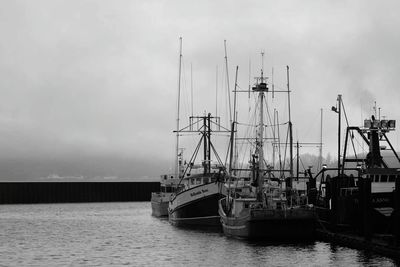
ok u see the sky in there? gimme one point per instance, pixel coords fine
(89, 88)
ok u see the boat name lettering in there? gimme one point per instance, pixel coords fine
(381, 200)
(195, 193)
(198, 192)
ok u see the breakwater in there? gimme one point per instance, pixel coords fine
(69, 192)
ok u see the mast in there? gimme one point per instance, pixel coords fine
(227, 81)
(216, 92)
(261, 122)
(258, 157)
(178, 111)
(205, 144)
(274, 140)
(279, 145)
(209, 143)
(232, 141)
(191, 87)
(320, 144)
(297, 160)
(289, 184)
(339, 128)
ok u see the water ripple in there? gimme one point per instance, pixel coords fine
(121, 234)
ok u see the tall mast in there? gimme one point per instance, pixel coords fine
(191, 87)
(227, 81)
(260, 137)
(232, 138)
(290, 131)
(320, 144)
(261, 88)
(178, 110)
(297, 160)
(216, 92)
(274, 140)
(339, 99)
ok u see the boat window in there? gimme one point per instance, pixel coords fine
(246, 205)
(376, 179)
(206, 180)
(192, 181)
(198, 181)
(384, 178)
(392, 178)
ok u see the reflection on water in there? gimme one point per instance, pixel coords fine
(104, 234)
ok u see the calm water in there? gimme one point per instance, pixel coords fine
(103, 234)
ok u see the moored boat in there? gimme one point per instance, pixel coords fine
(160, 200)
(197, 205)
(264, 206)
(201, 185)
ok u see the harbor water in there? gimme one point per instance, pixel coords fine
(105, 234)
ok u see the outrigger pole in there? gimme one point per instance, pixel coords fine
(178, 110)
(290, 131)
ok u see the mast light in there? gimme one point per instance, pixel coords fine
(383, 124)
(375, 123)
(367, 123)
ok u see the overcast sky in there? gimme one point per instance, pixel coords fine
(89, 87)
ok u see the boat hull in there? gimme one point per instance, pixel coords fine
(197, 206)
(159, 204)
(269, 225)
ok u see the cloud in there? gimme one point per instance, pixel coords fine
(99, 79)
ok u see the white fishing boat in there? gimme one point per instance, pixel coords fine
(168, 185)
(195, 203)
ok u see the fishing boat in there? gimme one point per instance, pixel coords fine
(200, 187)
(358, 194)
(260, 204)
(160, 200)
(168, 185)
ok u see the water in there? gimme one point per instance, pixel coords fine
(104, 234)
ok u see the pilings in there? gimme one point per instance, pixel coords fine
(397, 212)
(364, 189)
(64, 192)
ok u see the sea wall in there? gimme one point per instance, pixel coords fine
(65, 192)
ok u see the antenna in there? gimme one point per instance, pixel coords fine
(262, 66)
(379, 113)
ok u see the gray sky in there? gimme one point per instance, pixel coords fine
(89, 87)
